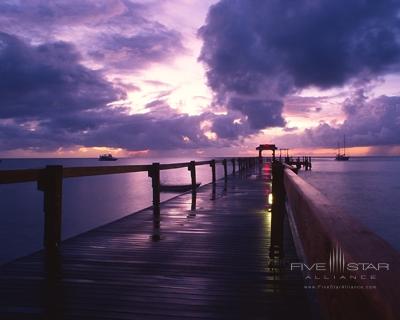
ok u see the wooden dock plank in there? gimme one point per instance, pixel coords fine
(211, 263)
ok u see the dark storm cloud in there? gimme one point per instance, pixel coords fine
(370, 122)
(225, 127)
(247, 117)
(48, 17)
(149, 131)
(46, 80)
(114, 130)
(117, 33)
(260, 113)
(269, 49)
(373, 122)
(136, 51)
(48, 100)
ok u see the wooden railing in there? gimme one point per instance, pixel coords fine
(50, 181)
(318, 226)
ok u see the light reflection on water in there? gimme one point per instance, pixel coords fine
(366, 188)
(87, 202)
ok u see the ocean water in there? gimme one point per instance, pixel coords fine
(367, 188)
(88, 202)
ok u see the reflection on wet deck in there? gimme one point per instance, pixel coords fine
(219, 257)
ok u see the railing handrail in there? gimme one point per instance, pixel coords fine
(20, 175)
(32, 175)
(319, 226)
(50, 181)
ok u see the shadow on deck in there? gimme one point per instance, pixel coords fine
(214, 262)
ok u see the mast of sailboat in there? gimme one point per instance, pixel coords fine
(338, 146)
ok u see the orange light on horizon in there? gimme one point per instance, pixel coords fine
(350, 151)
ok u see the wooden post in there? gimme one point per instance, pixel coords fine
(233, 167)
(277, 210)
(212, 165)
(154, 173)
(225, 170)
(50, 183)
(278, 188)
(192, 169)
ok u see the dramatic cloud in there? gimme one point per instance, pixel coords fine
(137, 50)
(229, 127)
(113, 73)
(113, 129)
(50, 100)
(148, 131)
(116, 34)
(260, 113)
(266, 49)
(47, 80)
(303, 106)
(370, 122)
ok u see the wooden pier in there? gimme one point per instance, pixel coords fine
(222, 251)
(217, 256)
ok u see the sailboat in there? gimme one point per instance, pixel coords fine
(339, 156)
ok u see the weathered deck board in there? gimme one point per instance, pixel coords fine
(212, 263)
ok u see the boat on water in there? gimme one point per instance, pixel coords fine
(107, 157)
(177, 187)
(342, 156)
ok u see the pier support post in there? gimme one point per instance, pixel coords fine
(192, 169)
(154, 173)
(50, 183)
(278, 187)
(277, 210)
(224, 162)
(233, 167)
(212, 165)
(214, 179)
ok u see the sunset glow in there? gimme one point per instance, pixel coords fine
(175, 77)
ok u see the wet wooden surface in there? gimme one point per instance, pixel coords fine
(211, 263)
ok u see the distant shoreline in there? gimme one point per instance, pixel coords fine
(172, 157)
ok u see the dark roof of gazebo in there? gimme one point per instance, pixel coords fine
(266, 147)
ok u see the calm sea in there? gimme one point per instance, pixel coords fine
(367, 188)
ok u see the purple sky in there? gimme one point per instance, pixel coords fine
(177, 77)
